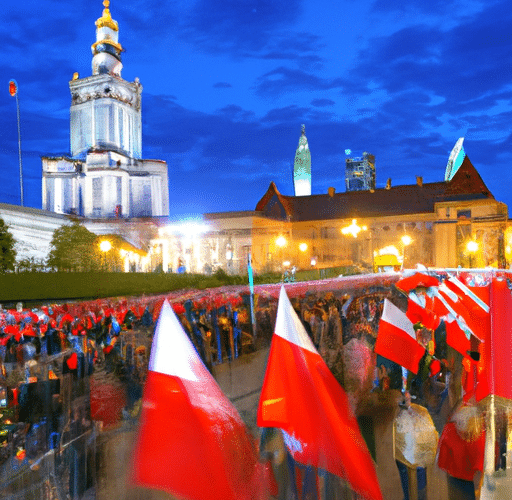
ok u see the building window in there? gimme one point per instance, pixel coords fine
(327, 232)
(463, 214)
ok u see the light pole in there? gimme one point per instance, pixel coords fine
(471, 248)
(406, 241)
(353, 229)
(281, 242)
(105, 246)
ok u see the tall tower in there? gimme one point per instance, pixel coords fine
(302, 167)
(105, 175)
(105, 109)
(359, 172)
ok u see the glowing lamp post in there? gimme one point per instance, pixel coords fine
(406, 241)
(105, 247)
(353, 229)
(281, 243)
(471, 248)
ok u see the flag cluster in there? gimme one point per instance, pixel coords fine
(477, 323)
(193, 444)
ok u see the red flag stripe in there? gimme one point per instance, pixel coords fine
(396, 339)
(301, 396)
(191, 442)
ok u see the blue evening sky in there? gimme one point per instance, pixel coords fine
(227, 85)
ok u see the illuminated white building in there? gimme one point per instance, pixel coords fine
(105, 176)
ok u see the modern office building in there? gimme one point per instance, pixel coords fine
(359, 172)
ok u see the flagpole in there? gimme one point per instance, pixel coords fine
(251, 294)
(19, 148)
(13, 90)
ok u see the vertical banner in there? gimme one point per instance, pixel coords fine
(251, 292)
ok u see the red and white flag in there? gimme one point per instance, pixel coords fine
(396, 339)
(191, 441)
(301, 396)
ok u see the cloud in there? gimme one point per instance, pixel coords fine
(222, 85)
(283, 79)
(321, 103)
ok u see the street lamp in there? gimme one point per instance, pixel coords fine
(281, 241)
(406, 241)
(471, 248)
(353, 229)
(105, 246)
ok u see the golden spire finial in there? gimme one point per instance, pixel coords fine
(106, 18)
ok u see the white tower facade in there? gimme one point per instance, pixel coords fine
(105, 175)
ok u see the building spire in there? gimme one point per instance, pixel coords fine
(302, 166)
(106, 18)
(106, 50)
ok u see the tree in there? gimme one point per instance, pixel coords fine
(7, 251)
(73, 248)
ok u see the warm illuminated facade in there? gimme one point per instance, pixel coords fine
(105, 176)
(438, 218)
(422, 223)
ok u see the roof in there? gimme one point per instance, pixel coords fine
(399, 200)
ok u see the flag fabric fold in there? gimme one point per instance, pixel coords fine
(396, 339)
(302, 397)
(495, 366)
(191, 440)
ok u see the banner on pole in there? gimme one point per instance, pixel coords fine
(13, 87)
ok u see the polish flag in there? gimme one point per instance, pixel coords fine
(191, 441)
(417, 312)
(396, 339)
(416, 280)
(456, 337)
(301, 396)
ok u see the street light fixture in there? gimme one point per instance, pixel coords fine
(406, 241)
(105, 246)
(471, 248)
(281, 241)
(353, 229)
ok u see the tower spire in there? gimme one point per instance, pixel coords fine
(106, 50)
(302, 166)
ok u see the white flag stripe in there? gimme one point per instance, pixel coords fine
(451, 294)
(469, 293)
(172, 353)
(394, 316)
(460, 320)
(289, 326)
(418, 299)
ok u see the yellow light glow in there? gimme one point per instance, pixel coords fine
(406, 240)
(472, 246)
(389, 250)
(105, 245)
(353, 229)
(281, 241)
(286, 263)
(303, 247)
